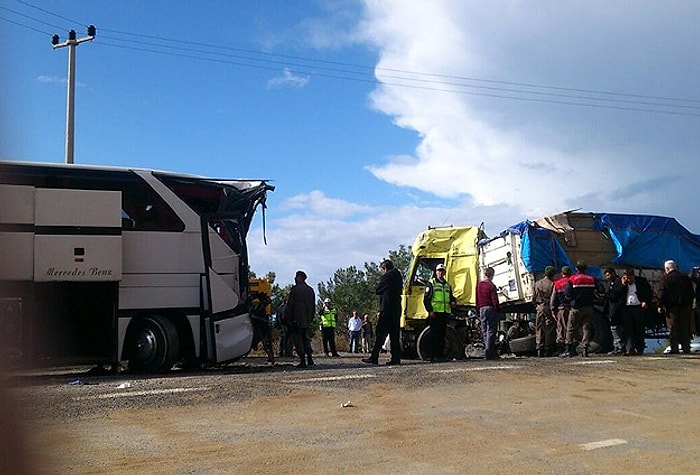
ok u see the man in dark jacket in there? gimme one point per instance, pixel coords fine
(636, 296)
(389, 320)
(299, 314)
(695, 321)
(614, 303)
(676, 301)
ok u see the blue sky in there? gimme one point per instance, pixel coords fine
(374, 119)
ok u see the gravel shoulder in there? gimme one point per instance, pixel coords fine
(595, 415)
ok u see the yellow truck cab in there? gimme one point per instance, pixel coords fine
(457, 249)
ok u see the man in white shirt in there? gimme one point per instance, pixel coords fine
(355, 329)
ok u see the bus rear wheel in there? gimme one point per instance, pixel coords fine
(154, 345)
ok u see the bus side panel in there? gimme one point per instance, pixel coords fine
(61, 207)
(233, 337)
(16, 232)
(77, 258)
(17, 204)
(16, 256)
(153, 252)
(78, 235)
(223, 297)
(156, 291)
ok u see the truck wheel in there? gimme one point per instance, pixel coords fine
(521, 345)
(453, 344)
(154, 345)
(475, 350)
(453, 349)
(423, 345)
(593, 347)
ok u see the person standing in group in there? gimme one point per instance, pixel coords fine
(389, 321)
(367, 334)
(676, 301)
(329, 320)
(438, 301)
(545, 324)
(488, 308)
(355, 329)
(614, 304)
(637, 297)
(299, 314)
(580, 291)
(695, 322)
(561, 307)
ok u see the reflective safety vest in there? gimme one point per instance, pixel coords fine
(328, 317)
(440, 300)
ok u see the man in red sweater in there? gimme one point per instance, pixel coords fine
(487, 306)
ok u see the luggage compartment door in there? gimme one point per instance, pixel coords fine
(77, 236)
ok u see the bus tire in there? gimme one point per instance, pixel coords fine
(154, 345)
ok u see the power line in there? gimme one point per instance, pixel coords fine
(509, 90)
(411, 86)
(46, 11)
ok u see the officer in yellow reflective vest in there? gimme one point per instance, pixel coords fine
(329, 320)
(438, 301)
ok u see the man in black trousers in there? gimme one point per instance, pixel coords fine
(389, 290)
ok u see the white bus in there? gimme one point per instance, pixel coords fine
(119, 265)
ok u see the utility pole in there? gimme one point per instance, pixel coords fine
(71, 42)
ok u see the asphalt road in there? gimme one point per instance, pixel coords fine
(517, 415)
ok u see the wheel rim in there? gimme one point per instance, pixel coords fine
(146, 348)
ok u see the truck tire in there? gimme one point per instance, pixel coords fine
(593, 347)
(453, 348)
(423, 345)
(154, 345)
(522, 345)
(475, 350)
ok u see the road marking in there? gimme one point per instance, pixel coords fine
(152, 392)
(332, 378)
(601, 444)
(487, 368)
(594, 362)
(634, 414)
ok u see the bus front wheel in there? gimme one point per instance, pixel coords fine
(154, 345)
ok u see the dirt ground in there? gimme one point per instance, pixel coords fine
(599, 415)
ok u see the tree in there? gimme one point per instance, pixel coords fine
(348, 289)
(353, 289)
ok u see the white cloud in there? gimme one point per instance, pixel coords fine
(321, 235)
(317, 202)
(521, 151)
(51, 79)
(57, 80)
(288, 79)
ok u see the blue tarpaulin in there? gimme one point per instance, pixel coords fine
(648, 241)
(640, 241)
